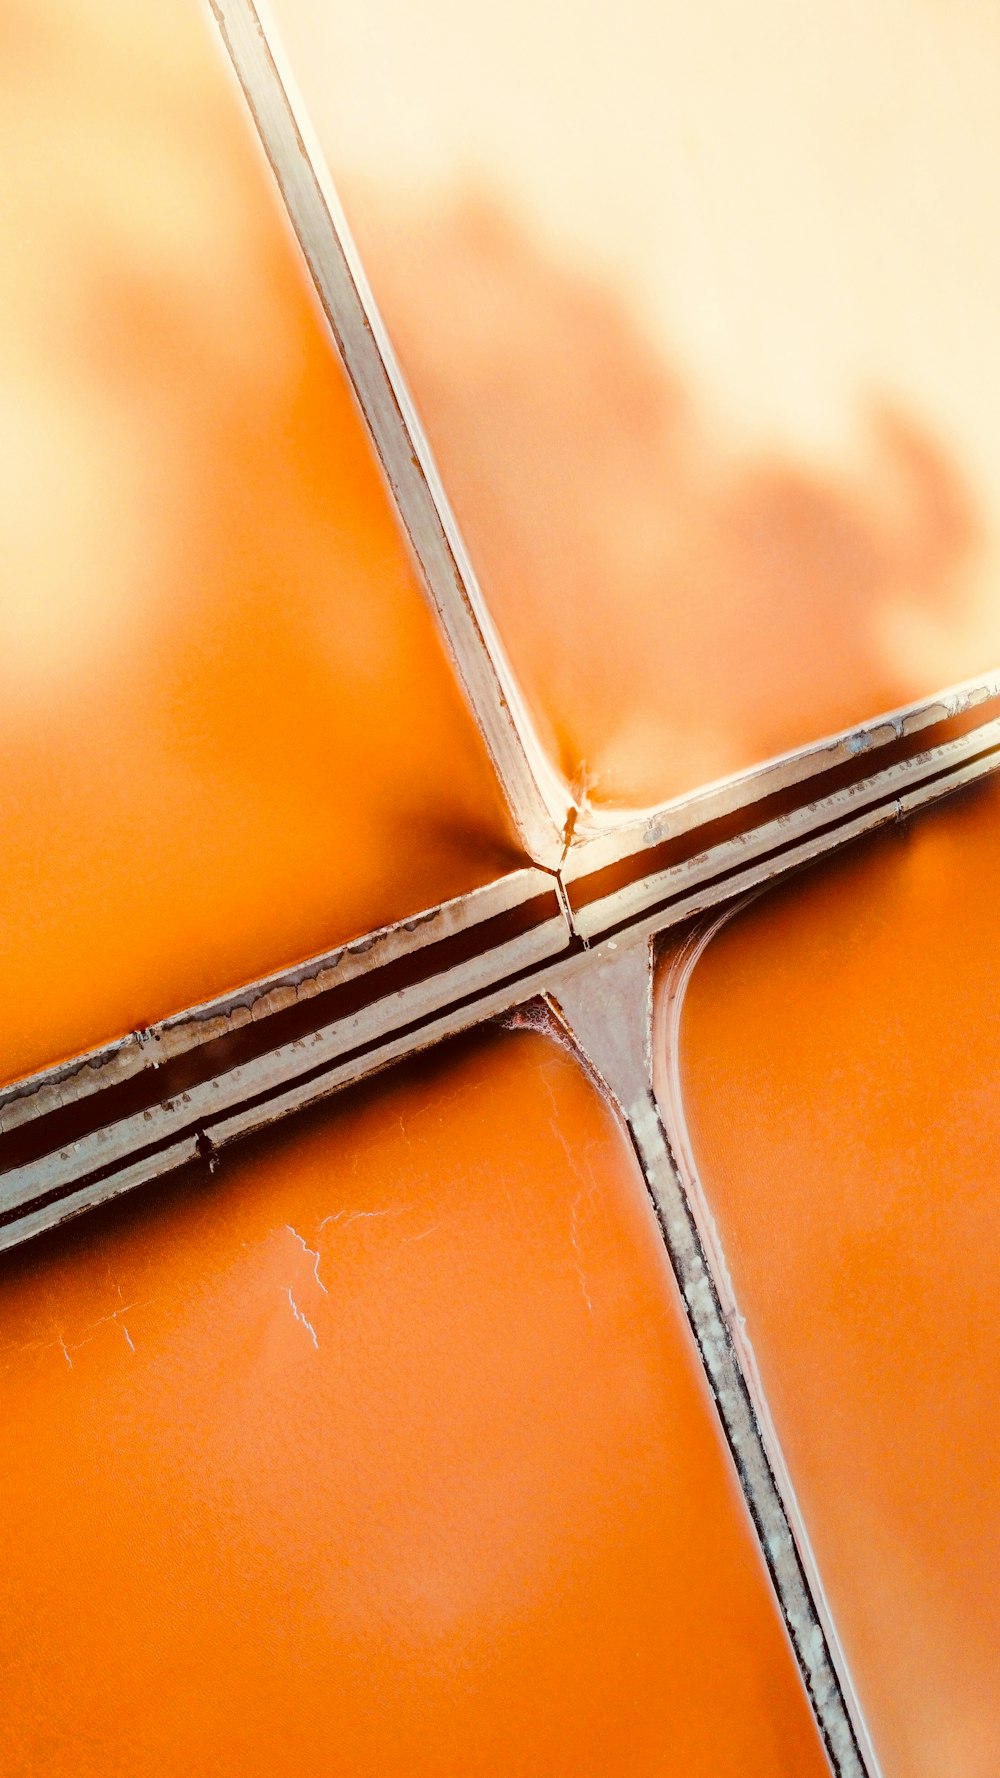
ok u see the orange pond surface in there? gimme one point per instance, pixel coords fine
(229, 735)
(839, 1058)
(384, 1451)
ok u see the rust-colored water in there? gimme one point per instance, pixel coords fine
(384, 1452)
(229, 733)
(839, 1057)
